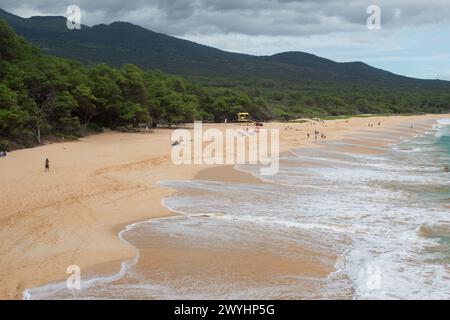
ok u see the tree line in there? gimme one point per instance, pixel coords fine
(42, 95)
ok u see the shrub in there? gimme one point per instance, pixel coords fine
(4, 145)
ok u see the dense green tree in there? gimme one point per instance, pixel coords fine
(61, 117)
(130, 113)
(12, 118)
(85, 104)
(132, 84)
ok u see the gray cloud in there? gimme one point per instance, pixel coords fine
(252, 17)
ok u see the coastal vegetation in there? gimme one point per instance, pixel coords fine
(43, 95)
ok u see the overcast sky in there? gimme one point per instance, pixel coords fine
(414, 38)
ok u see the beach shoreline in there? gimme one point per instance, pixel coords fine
(102, 184)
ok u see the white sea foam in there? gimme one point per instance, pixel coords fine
(444, 122)
(381, 222)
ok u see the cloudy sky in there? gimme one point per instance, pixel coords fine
(414, 38)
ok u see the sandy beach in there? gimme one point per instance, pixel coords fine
(100, 184)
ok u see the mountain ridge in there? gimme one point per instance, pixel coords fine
(123, 42)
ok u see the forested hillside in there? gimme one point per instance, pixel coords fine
(42, 95)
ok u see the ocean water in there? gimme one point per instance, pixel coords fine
(382, 222)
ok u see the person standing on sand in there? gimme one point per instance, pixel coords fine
(47, 165)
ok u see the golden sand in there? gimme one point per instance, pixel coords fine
(100, 184)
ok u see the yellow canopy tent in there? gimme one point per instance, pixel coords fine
(243, 117)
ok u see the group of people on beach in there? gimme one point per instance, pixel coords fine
(248, 132)
(317, 134)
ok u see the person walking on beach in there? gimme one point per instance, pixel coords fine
(47, 165)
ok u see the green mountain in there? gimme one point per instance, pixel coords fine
(121, 42)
